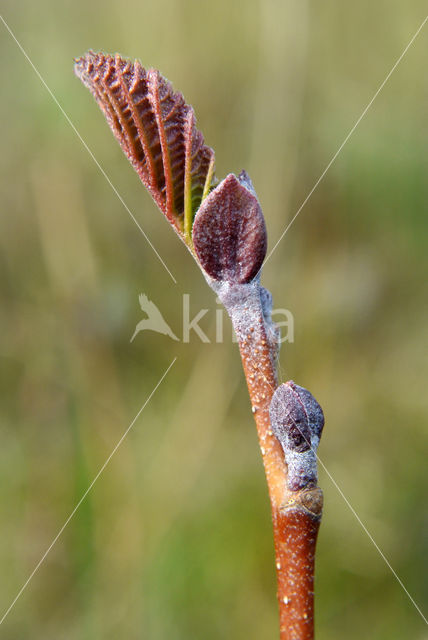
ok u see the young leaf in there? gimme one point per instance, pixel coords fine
(229, 233)
(156, 129)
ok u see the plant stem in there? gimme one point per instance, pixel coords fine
(295, 533)
(296, 515)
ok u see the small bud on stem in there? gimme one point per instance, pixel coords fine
(297, 421)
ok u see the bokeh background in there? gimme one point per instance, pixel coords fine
(174, 540)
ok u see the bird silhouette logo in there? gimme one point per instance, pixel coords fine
(154, 320)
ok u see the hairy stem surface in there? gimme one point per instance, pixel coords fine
(296, 515)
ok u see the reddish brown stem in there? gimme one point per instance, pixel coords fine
(296, 515)
(296, 533)
(156, 130)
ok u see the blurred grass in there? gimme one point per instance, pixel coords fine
(174, 540)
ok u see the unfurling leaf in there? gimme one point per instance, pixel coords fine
(229, 233)
(156, 129)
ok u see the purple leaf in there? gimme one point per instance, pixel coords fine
(229, 233)
(156, 129)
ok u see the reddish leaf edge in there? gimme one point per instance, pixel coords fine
(156, 129)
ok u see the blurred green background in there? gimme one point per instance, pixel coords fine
(174, 540)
